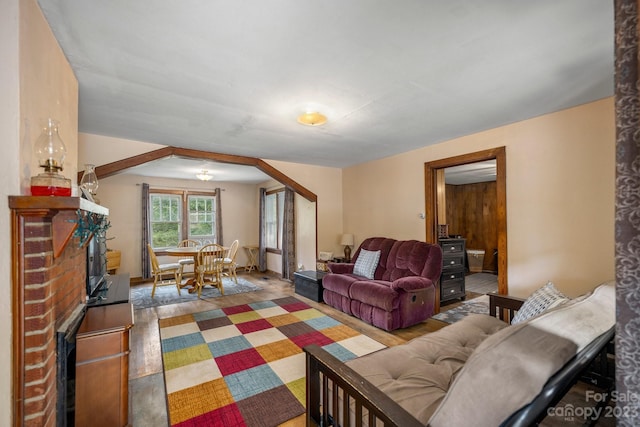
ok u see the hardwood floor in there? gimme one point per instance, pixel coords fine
(146, 382)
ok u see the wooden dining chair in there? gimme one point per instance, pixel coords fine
(160, 271)
(209, 270)
(229, 264)
(188, 243)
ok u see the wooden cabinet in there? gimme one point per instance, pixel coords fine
(452, 276)
(102, 366)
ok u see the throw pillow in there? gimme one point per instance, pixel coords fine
(366, 263)
(542, 299)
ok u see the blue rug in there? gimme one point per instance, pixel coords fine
(165, 295)
(478, 305)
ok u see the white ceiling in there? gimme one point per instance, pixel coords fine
(392, 76)
(182, 168)
(471, 173)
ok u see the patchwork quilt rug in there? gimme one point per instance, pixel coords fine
(244, 365)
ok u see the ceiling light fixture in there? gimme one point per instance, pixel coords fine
(204, 176)
(312, 118)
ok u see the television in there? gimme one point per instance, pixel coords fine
(96, 265)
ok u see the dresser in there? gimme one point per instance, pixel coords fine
(452, 276)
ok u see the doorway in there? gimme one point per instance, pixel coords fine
(434, 169)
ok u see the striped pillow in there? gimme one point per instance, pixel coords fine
(366, 263)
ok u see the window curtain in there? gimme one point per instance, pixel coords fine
(219, 238)
(627, 208)
(288, 235)
(146, 267)
(262, 250)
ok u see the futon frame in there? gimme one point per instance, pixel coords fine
(332, 384)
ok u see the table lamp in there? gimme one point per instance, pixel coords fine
(347, 241)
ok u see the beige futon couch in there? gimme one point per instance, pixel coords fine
(479, 371)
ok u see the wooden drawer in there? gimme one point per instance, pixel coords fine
(453, 247)
(452, 275)
(452, 289)
(101, 345)
(452, 261)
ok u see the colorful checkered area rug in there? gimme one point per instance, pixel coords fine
(244, 365)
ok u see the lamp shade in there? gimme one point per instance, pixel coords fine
(312, 118)
(347, 240)
(49, 148)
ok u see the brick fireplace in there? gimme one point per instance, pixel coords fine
(48, 287)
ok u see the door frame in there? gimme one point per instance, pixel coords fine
(431, 204)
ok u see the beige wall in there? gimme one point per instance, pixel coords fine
(560, 196)
(306, 251)
(9, 184)
(36, 82)
(100, 150)
(48, 88)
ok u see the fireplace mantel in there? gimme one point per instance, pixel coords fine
(55, 203)
(62, 213)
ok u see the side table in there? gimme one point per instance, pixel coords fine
(252, 255)
(309, 284)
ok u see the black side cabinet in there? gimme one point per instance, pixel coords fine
(452, 276)
(309, 284)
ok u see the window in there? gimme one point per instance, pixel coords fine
(274, 208)
(178, 215)
(201, 218)
(165, 220)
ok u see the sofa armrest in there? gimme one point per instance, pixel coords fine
(332, 384)
(504, 307)
(562, 381)
(340, 267)
(411, 283)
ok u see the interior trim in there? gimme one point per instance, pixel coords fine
(113, 168)
(431, 208)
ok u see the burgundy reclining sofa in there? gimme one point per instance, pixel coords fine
(401, 291)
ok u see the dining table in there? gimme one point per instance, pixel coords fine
(183, 252)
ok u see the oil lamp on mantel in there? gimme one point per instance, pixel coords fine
(50, 151)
